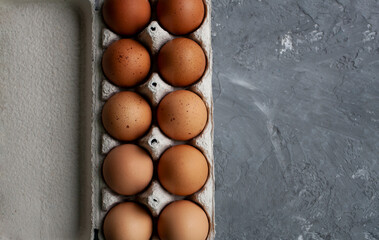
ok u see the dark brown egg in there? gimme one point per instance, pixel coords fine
(126, 63)
(182, 170)
(181, 62)
(182, 115)
(126, 17)
(180, 17)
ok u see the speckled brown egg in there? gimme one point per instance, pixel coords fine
(182, 115)
(126, 116)
(182, 170)
(181, 62)
(180, 17)
(127, 169)
(126, 17)
(126, 63)
(183, 220)
(128, 220)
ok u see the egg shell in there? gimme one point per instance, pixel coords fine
(126, 116)
(182, 115)
(128, 220)
(182, 170)
(180, 17)
(126, 63)
(181, 62)
(128, 169)
(126, 17)
(183, 220)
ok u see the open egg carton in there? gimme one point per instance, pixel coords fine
(155, 197)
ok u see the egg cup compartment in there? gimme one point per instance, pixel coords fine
(155, 197)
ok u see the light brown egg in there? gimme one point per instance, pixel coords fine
(181, 62)
(128, 220)
(126, 17)
(182, 170)
(183, 220)
(126, 63)
(128, 169)
(126, 116)
(182, 115)
(180, 17)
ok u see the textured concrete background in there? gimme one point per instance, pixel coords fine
(296, 94)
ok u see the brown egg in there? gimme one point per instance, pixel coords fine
(181, 62)
(182, 170)
(126, 63)
(127, 169)
(182, 115)
(180, 17)
(128, 220)
(183, 220)
(126, 116)
(126, 17)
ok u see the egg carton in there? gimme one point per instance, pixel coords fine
(155, 197)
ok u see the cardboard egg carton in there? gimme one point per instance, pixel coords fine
(155, 197)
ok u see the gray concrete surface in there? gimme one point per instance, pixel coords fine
(296, 94)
